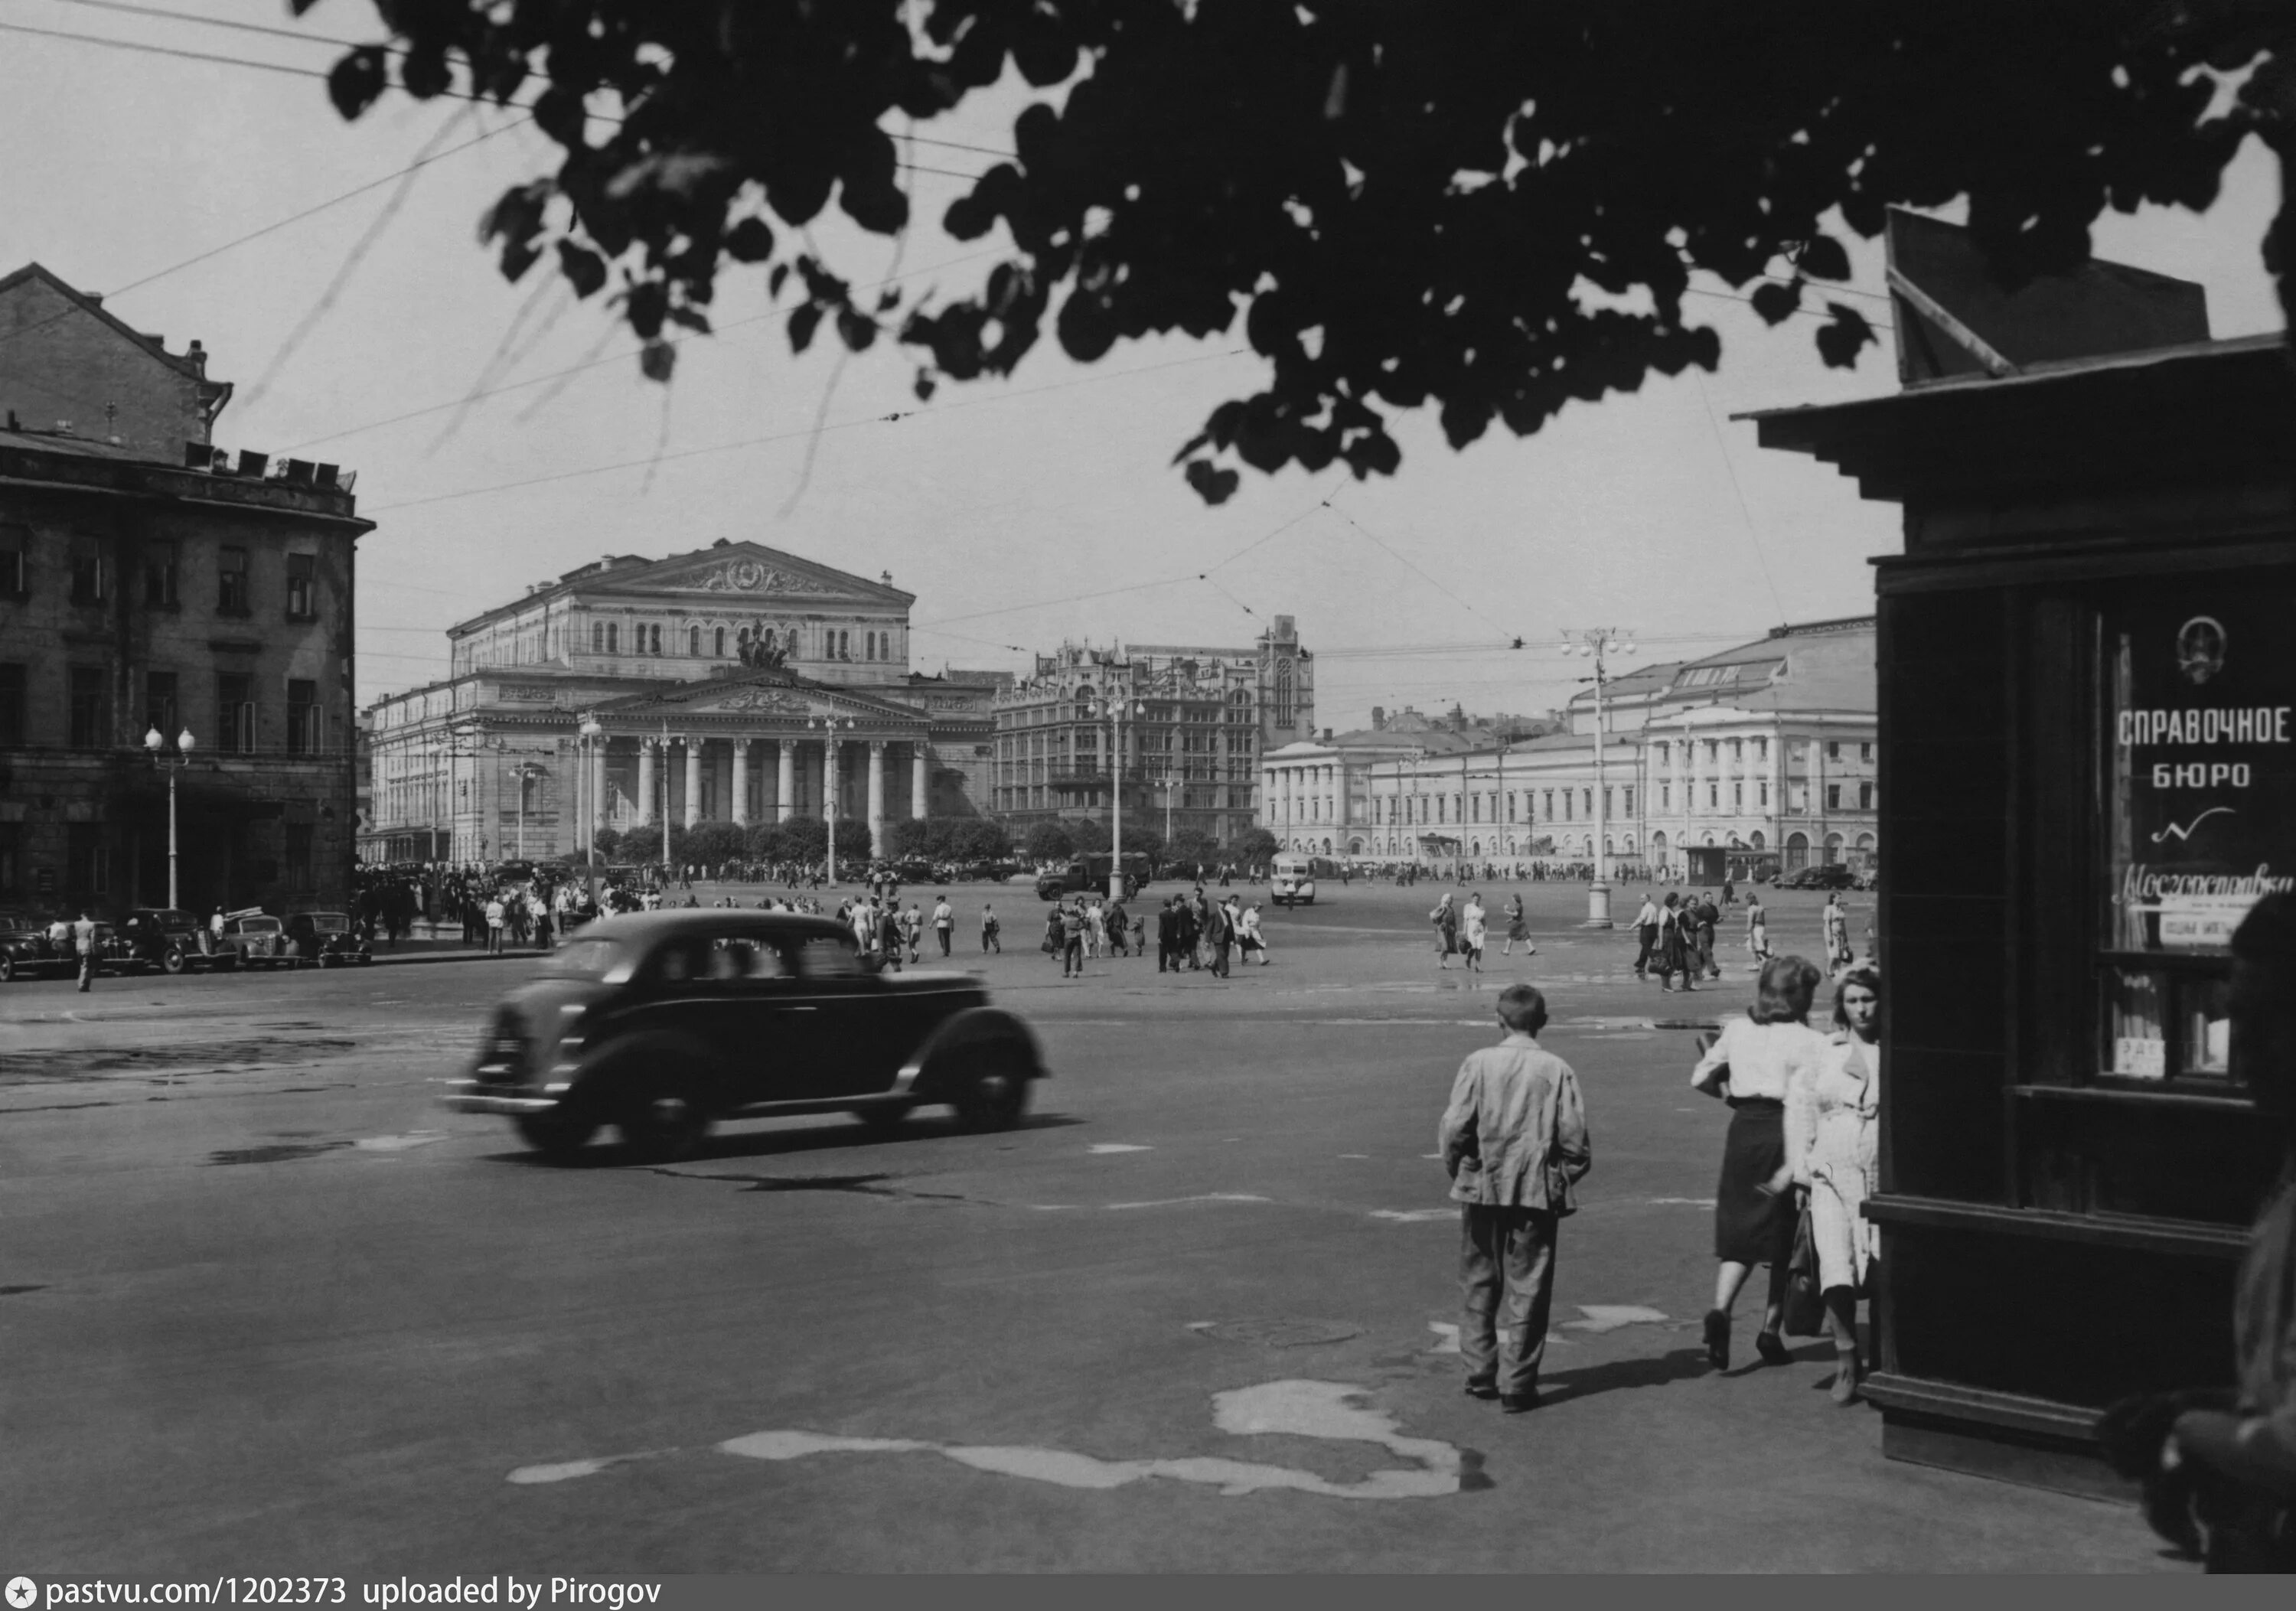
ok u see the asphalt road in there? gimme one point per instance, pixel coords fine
(265, 1307)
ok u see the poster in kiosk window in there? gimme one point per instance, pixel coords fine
(2199, 779)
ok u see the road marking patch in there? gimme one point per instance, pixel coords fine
(1414, 1216)
(1117, 1147)
(1610, 1317)
(1210, 1196)
(1681, 1202)
(393, 1144)
(1299, 1408)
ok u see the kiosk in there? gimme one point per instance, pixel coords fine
(2087, 708)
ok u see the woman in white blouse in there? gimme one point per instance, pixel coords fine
(1834, 1137)
(1753, 1067)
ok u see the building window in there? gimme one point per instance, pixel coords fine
(1766, 795)
(88, 860)
(1832, 750)
(1286, 695)
(234, 713)
(1627, 796)
(302, 600)
(1737, 750)
(613, 637)
(1865, 752)
(160, 575)
(1549, 812)
(1665, 797)
(845, 646)
(720, 641)
(1865, 796)
(11, 857)
(90, 730)
(302, 717)
(1587, 798)
(87, 569)
(1761, 749)
(1713, 796)
(231, 582)
(298, 859)
(655, 637)
(11, 707)
(1737, 796)
(1833, 796)
(15, 561)
(694, 642)
(160, 704)
(1663, 752)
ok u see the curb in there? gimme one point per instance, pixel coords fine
(409, 958)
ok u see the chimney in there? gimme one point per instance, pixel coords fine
(1379, 719)
(1327, 735)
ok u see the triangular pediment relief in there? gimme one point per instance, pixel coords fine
(773, 696)
(740, 574)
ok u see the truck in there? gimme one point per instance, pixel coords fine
(1089, 874)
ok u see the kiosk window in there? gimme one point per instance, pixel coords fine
(2199, 784)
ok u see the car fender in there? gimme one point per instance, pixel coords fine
(926, 1075)
(631, 1061)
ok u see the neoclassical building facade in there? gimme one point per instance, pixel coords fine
(732, 684)
(1767, 748)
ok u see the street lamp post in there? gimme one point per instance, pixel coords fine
(156, 745)
(591, 737)
(526, 772)
(1598, 644)
(1115, 709)
(829, 727)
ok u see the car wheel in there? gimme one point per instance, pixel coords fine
(665, 1125)
(172, 962)
(555, 1136)
(995, 1095)
(7, 967)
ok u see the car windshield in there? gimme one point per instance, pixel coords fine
(330, 923)
(584, 959)
(258, 925)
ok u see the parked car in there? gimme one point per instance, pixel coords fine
(1291, 881)
(24, 949)
(1821, 876)
(168, 938)
(256, 939)
(330, 938)
(662, 1024)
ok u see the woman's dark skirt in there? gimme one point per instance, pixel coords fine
(1751, 1226)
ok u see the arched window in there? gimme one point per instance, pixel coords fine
(769, 638)
(721, 643)
(613, 636)
(694, 642)
(597, 638)
(1286, 695)
(657, 640)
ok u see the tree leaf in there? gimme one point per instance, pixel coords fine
(1843, 337)
(354, 83)
(858, 329)
(802, 323)
(1212, 484)
(649, 303)
(657, 360)
(1824, 258)
(583, 269)
(1776, 302)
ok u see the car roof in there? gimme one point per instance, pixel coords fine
(651, 928)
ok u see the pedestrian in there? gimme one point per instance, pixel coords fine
(1514, 1142)
(1221, 936)
(1472, 932)
(944, 921)
(1753, 1066)
(543, 931)
(496, 918)
(1757, 928)
(1708, 917)
(1249, 937)
(1116, 923)
(1096, 931)
(1445, 920)
(1674, 945)
(893, 931)
(1836, 923)
(1139, 936)
(1167, 937)
(1834, 1137)
(1190, 931)
(988, 930)
(913, 929)
(84, 942)
(1518, 927)
(211, 935)
(1647, 931)
(1072, 930)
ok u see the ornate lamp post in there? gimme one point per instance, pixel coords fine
(1115, 709)
(157, 746)
(1597, 644)
(830, 726)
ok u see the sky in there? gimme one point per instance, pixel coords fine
(1021, 513)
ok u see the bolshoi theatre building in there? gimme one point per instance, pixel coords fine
(733, 684)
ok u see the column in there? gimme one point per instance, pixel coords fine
(920, 796)
(876, 796)
(648, 751)
(693, 813)
(740, 813)
(785, 778)
(598, 815)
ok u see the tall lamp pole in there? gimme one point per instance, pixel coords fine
(157, 746)
(1115, 709)
(1598, 644)
(591, 735)
(829, 726)
(526, 772)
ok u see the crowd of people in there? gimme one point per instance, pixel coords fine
(1194, 932)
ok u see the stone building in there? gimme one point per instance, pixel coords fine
(1194, 724)
(144, 587)
(733, 684)
(1765, 749)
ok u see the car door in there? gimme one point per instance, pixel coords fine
(848, 1031)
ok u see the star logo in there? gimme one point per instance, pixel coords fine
(22, 1592)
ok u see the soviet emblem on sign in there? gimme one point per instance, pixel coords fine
(2201, 648)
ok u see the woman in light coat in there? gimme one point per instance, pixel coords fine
(1446, 919)
(1834, 1137)
(1753, 1066)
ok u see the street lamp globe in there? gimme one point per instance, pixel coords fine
(183, 741)
(152, 741)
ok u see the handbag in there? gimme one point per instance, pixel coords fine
(1805, 1307)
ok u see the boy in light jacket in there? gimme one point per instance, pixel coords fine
(1514, 1142)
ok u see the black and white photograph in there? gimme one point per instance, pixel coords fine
(1127, 658)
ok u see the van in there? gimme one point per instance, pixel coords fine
(1291, 881)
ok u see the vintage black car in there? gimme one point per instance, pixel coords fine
(1821, 876)
(24, 949)
(660, 1023)
(330, 938)
(168, 939)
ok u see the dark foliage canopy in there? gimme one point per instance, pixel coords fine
(1403, 204)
